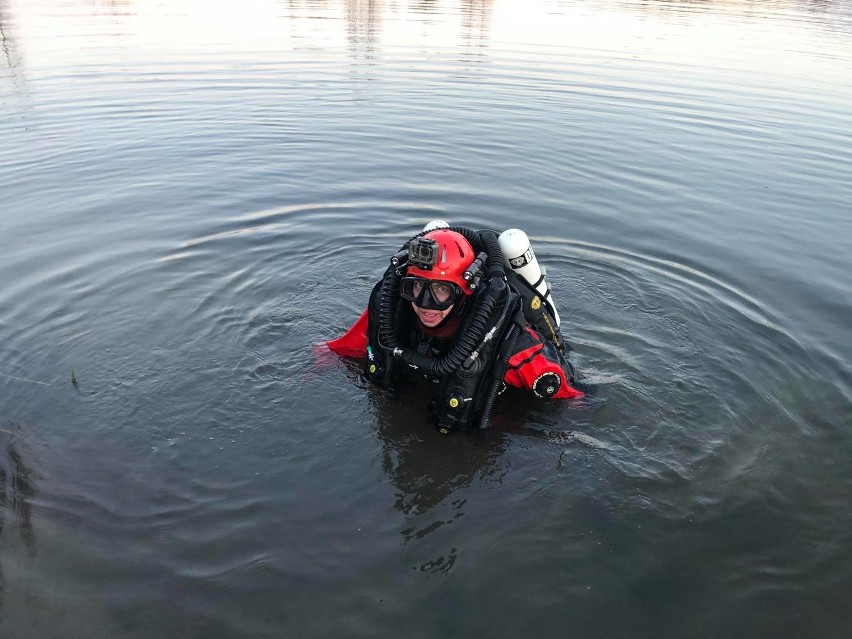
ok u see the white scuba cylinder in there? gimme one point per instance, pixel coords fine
(436, 224)
(519, 256)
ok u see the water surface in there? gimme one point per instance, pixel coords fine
(195, 194)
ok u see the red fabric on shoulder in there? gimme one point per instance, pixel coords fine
(517, 360)
(526, 366)
(354, 342)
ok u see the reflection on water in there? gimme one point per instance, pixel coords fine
(424, 6)
(829, 13)
(363, 26)
(6, 40)
(427, 469)
(16, 495)
(434, 476)
(118, 7)
(197, 192)
(476, 21)
(467, 24)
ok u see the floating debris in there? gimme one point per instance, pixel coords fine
(24, 379)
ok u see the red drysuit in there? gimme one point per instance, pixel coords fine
(536, 364)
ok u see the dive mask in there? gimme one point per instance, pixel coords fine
(429, 294)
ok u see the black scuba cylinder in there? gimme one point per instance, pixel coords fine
(497, 381)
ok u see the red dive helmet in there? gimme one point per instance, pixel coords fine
(441, 255)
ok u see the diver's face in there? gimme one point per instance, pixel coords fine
(430, 318)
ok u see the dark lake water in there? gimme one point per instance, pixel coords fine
(193, 195)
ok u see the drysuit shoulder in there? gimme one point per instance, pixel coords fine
(539, 366)
(354, 342)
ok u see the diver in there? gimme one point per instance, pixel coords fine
(470, 311)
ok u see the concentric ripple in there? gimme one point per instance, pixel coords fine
(197, 194)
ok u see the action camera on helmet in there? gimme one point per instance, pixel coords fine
(423, 253)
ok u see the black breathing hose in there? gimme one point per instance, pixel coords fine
(488, 405)
(472, 334)
(388, 303)
(485, 240)
(474, 329)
